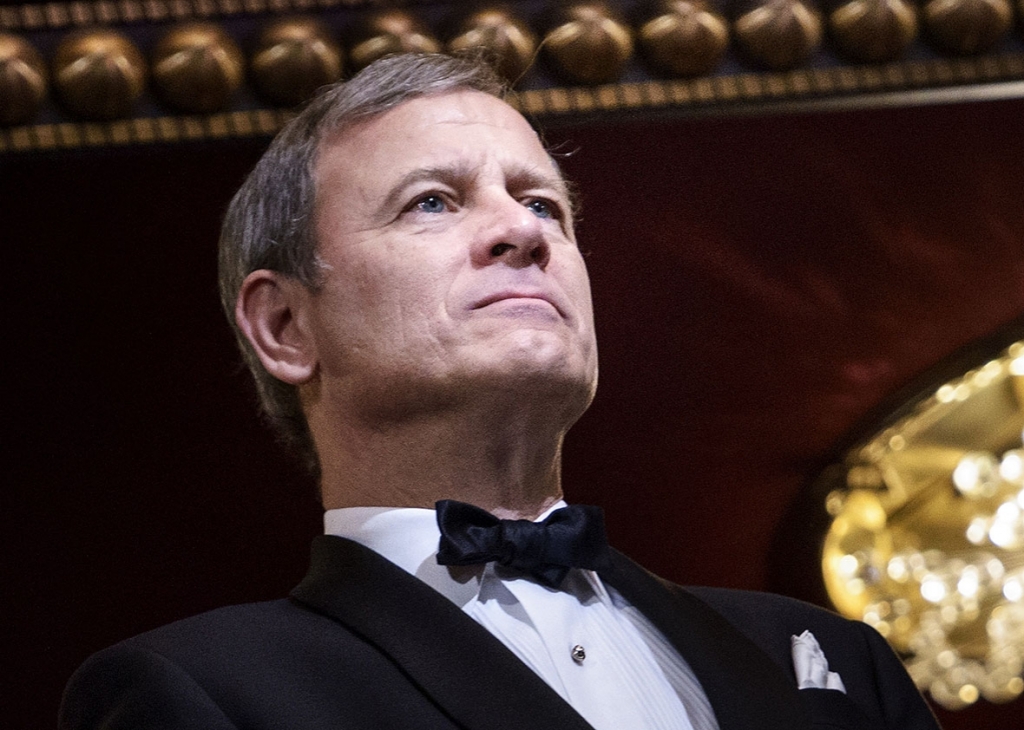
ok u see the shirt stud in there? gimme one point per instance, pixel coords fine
(578, 654)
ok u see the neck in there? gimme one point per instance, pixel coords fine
(505, 460)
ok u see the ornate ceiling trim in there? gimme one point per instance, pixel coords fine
(144, 130)
(800, 84)
(122, 72)
(82, 14)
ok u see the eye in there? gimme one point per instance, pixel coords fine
(430, 204)
(543, 208)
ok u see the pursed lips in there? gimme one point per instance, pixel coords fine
(515, 294)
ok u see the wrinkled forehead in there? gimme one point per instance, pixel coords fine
(411, 126)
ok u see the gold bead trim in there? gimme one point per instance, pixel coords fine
(57, 16)
(69, 135)
(753, 87)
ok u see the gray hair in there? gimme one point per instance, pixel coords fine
(270, 221)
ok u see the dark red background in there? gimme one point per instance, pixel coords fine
(761, 284)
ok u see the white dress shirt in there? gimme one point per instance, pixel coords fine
(631, 677)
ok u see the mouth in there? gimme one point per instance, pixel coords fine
(518, 297)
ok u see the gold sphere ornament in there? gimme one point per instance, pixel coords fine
(294, 58)
(22, 80)
(589, 43)
(99, 74)
(873, 30)
(505, 41)
(967, 26)
(685, 37)
(389, 32)
(781, 34)
(197, 67)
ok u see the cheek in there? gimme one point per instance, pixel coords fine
(392, 293)
(407, 308)
(418, 295)
(577, 286)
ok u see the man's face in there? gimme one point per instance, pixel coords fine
(451, 265)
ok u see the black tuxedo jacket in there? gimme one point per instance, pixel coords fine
(361, 644)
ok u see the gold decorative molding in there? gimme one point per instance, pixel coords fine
(197, 67)
(705, 94)
(509, 40)
(293, 58)
(98, 74)
(247, 59)
(82, 14)
(766, 87)
(684, 37)
(146, 130)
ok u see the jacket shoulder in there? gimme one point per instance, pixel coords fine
(241, 638)
(770, 620)
(873, 674)
(745, 607)
(275, 665)
(221, 626)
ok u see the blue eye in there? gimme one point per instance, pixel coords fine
(541, 208)
(431, 204)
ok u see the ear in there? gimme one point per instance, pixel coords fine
(271, 312)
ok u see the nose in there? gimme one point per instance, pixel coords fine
(510, 233)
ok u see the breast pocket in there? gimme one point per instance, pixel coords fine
(832, 709)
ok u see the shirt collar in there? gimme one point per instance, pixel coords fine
(408, 537)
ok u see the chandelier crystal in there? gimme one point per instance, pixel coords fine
(926, 542)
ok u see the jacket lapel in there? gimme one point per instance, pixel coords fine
(467, 672)
(746, 689)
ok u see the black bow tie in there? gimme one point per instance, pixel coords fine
(571, 537)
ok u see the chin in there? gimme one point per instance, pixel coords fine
(541, 354)
(554, 377)
(534, 363)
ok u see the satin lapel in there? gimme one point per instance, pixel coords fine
(467, 672)
(745, 688)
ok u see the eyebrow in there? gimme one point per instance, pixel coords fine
(447, 174)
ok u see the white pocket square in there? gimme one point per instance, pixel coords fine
(811, 666)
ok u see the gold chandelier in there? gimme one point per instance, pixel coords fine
(926, 542)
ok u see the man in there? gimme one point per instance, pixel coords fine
(404, 276)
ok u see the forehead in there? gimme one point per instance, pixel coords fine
(468, 126)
